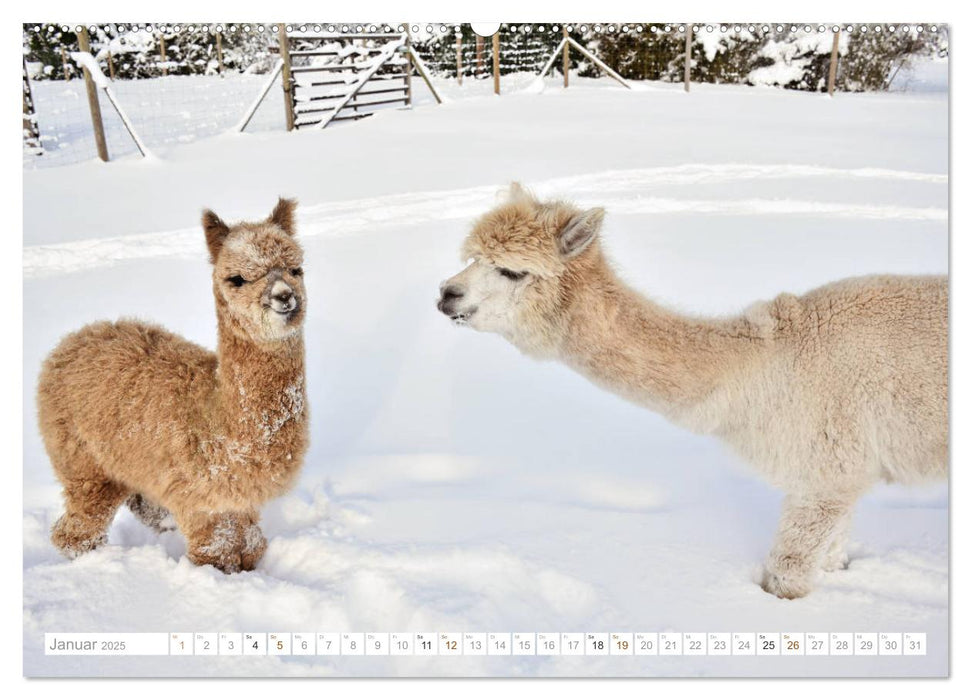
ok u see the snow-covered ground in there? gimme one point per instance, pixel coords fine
(453, 484)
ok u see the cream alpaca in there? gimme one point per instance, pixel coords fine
(825, 394)
(130, 411)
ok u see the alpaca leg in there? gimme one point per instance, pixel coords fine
(836, 556)
(254, 542)
(231, 542)
(805, 531)
(149, 512)
(214, 539)
(91, 504)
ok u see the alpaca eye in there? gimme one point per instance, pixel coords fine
(512, 274)
(297, 272)
(236, 280)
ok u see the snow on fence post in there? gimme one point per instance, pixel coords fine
(834, 58)
(287, 78)
(31, 130)
(689, 37)
(566, 57)
(93, 104)
(495, 61)
(458, 56)
(91, 69)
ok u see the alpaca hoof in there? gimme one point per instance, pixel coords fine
(785, 585)
(72, 541)
(228, 562)
(233, 545)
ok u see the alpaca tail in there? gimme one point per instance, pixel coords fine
(152, 514)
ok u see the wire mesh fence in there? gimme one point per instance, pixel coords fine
(177, 84)
(522, 49)
(164, 111)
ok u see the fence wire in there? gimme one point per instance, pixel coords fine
(164, 112)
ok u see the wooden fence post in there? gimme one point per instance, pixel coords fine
(495, 61)
(834, 58)
(566, 58)
(93, 104)
(66, 65)
(287, 80)
(31, 130)
(111, 67)
(422, 70)
(259, 100)
(689, 37)
(219, 52)
(479, 49)
(408, 65)
(458, 56)
(599, 63)
(161, 44)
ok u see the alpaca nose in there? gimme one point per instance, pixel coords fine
(450, 295)
(453, 291)
(282, 299)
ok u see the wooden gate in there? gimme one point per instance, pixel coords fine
(343, 76)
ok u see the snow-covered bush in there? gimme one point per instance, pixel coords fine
(799, 59)
(795, 60)
(645, 55)
(656, 52)
(869, 57)
(718, 55)
(874, 58)
(189, 50)
(45, 47)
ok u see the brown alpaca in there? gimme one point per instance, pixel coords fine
(825, 394)
(130, 411)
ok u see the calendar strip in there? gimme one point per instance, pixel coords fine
(768, 644)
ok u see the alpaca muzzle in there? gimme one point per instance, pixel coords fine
(448, 303)
(282, 299)
(284, 304)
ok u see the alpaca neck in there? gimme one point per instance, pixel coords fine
(260, 387)
(650, 355)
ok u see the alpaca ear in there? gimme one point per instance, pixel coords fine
(216, 232)
(517, 193)
(283, 216)
(580, 231)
